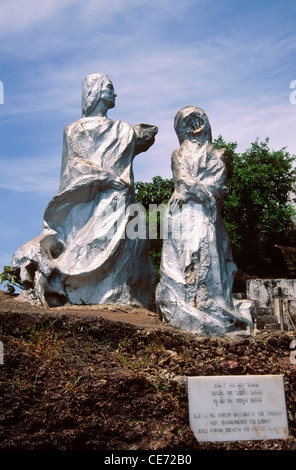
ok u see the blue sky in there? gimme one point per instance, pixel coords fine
(235, 59)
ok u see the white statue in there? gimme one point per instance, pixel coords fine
(85, 254)
(197, 269)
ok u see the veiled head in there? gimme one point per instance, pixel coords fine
(92, 87)
(192, 123)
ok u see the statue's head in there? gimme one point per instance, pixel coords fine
(192, 123)
(96, 87)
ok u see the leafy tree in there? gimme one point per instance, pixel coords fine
(157, 192)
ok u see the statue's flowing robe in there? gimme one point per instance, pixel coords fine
(197, 268)
(85, 253)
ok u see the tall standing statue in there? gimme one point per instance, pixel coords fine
(197, 269)
(88, 251)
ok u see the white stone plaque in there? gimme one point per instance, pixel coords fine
(237, 408)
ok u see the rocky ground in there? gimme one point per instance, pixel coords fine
(106, 378)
